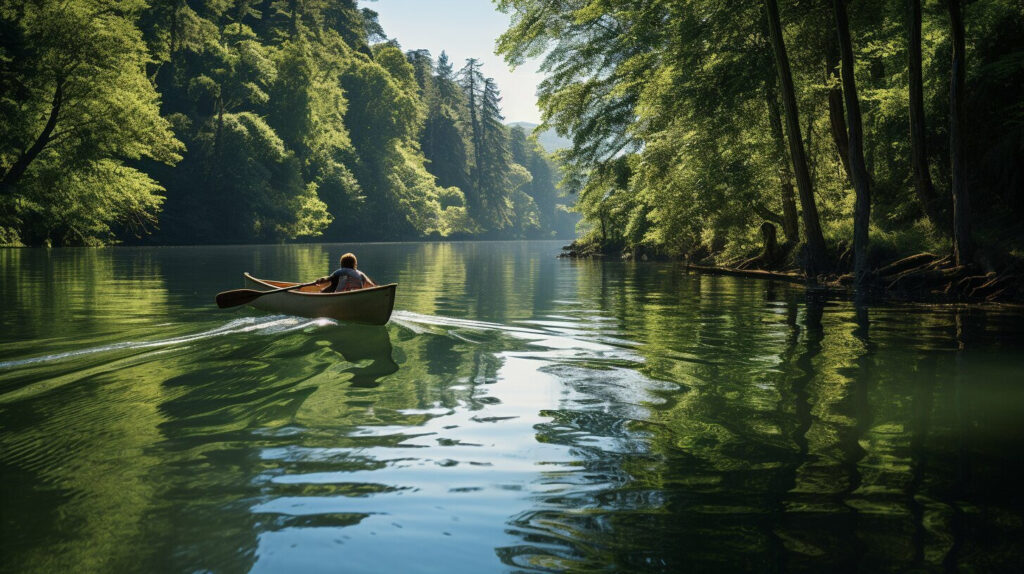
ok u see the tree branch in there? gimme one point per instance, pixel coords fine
(13, 175)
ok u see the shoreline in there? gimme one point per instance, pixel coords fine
(920, 278)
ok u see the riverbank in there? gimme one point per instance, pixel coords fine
(922, 277)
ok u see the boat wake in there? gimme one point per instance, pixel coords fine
(551, 335)
(271, 325)
(542, 334)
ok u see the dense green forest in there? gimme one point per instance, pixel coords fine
(864, 130)
(187, 121)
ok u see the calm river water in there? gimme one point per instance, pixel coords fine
(519, 413)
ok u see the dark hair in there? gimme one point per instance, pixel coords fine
(348, 260)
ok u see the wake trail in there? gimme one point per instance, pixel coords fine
(553, 336)
(262, 325)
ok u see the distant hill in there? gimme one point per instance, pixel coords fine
(549, 140)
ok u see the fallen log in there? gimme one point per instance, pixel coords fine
(756, 273)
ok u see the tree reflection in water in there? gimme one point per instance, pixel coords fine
(519, 413)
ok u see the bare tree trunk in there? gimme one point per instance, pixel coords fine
(919, 150)
(836, 115)
(790, 223)
(858, 169)
(809, 209)
(962, 244)
(25, 158)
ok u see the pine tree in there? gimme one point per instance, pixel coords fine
(442, 142)
(495, 167)
(471, 81)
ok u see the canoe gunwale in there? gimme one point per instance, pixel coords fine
(278, 284)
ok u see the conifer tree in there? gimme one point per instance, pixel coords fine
(442, 141)
(471, 80)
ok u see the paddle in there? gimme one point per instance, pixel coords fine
(238, 297)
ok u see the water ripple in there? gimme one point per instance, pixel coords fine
(264, 325)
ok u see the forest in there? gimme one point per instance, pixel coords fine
(249, 121)
(835, 137)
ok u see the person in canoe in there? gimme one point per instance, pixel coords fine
(346, 278)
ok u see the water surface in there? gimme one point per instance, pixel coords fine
(519, 413)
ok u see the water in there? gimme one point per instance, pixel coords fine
(519, 413)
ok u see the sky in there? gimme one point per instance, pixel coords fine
(464, 29)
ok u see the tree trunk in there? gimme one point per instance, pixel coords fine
(918, 147)
(858, 169)
(836, 115)
(790, 223)
(477, 143)
(962, 245)
(770, 254)
(809, 210)
(13, 175)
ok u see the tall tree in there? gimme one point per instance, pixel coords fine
(918, 142)
(471, 80)
(858, 169)
(495, 168)
(962, 243)
(815, 241)
(836, 112)
(790, 221)
(441, 139)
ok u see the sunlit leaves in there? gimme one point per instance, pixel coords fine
(681, 88)
(79, 104)
(296, 122)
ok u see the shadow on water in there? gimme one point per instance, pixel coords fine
(179, 499)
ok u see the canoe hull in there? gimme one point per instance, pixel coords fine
(370, 306)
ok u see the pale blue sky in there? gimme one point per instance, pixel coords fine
(464, 29)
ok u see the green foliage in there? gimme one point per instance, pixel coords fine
(669, 106)
(76, 109)
(246, 121)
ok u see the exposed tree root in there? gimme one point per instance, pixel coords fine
(921, 259)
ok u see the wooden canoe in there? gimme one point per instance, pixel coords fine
(371, 306)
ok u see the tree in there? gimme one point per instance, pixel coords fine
(858, 170)
(442, 141)
(495, 173)
(836, 112)
(790, 223)
(541, 186)
(383, 119)
(962, 244)
(309, 115)
(471, 81)
(809, 209)
(78, 111)
(918, 143)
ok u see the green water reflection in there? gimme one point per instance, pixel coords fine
(519, 413)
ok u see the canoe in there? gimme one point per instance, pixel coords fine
(371, 306)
